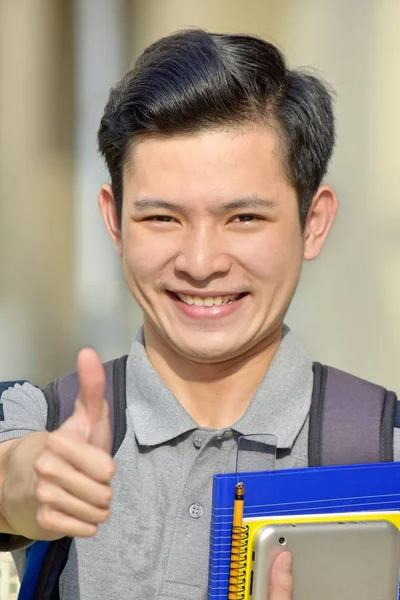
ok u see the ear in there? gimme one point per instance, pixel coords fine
(320, 217)
(108, 210)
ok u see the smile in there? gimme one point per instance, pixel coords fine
(209, 300)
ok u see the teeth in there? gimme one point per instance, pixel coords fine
(209, 301)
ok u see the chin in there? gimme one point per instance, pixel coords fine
(209, 353)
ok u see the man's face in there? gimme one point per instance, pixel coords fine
(211, 240)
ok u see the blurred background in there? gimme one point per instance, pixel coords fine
(60, 281)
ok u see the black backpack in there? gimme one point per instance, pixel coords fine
(351, 421)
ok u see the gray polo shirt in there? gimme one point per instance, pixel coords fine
(155, 544)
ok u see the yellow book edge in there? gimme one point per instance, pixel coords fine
(255, 523)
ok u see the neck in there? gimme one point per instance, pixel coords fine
(215, 395)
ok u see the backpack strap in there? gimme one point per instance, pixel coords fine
(351, 420)
(45, 561)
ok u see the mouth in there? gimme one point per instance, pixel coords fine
(208, 301)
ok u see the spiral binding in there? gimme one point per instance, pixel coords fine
(237, 572)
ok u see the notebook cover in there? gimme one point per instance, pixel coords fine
(294, 494)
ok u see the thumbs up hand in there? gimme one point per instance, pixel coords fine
(74, 470)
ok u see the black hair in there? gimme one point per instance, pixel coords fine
(194, 80)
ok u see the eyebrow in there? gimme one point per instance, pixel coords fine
(146, 203)
(247, 202)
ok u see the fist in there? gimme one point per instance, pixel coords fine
(74, 471)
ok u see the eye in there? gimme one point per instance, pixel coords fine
(245, 218)
(160, 219)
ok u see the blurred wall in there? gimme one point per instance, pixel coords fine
(346, 307)
(36, 182)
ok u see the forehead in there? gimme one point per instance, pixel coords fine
(208, 164)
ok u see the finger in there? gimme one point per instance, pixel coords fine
(89, 460)
(60, 500)
(79, 427)
(92, 384)
(100, 434)
(57, 522)
(55, 470)
(282, 578)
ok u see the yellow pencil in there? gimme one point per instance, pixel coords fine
(235, 565)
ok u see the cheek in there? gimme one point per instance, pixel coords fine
(275, 257)
(143, 256)
(140, 264)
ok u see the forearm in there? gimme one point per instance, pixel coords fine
(5, 526)
(18, 504)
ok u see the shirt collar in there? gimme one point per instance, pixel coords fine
(283, 400)
(280, 406)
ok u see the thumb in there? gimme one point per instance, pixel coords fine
(92, 384)
(90, 419)
(282, 578)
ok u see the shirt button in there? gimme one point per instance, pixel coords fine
(195, 511)
(197, 441)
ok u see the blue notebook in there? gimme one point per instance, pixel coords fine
(371, 490)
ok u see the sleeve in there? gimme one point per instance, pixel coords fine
(23, 410)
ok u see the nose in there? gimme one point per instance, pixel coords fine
(203, 255)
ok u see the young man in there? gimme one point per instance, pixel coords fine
(216, 152)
